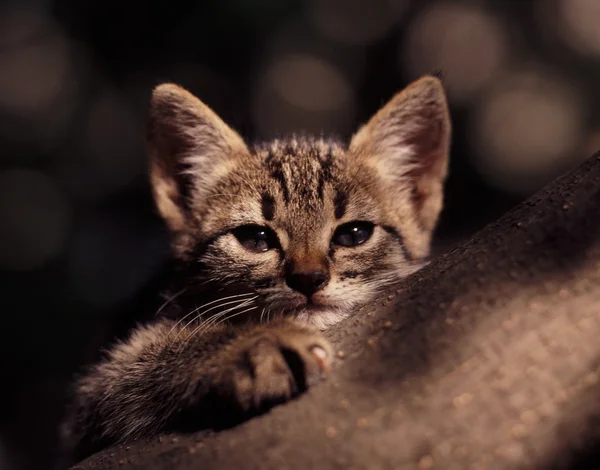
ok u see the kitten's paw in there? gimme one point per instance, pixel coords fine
(276, 363)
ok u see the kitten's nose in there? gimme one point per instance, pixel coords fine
(307, 282)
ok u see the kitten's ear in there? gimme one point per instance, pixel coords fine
(189, 148)
(408, 142)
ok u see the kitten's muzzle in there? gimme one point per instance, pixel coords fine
(307, 282)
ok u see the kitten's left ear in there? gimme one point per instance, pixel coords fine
(408, 142)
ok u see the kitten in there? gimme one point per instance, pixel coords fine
(279, 240)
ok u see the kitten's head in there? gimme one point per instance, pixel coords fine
(312, 226)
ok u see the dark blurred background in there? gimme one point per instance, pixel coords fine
(78, 234)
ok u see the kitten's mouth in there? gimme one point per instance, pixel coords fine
(314, 306)
(319, 314)
(298, 305)
(311, 306)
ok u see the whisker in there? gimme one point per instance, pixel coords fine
(241, 302)
(235, 315)
(209, 321)
(206, 305)
(169, 300)
(261, 315)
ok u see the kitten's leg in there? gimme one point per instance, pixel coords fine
(166, 378)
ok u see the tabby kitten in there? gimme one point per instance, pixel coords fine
(279, 240)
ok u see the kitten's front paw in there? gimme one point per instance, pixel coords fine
(275, 363)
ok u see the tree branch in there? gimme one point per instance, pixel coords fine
(487, 358)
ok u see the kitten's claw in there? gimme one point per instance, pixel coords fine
(322, 351)
(322, 357)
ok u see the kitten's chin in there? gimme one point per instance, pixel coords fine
(320, 317)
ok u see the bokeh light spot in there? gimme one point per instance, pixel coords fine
(32, 69)
(310, 83)
(580, 20)
(302, 92)
(113, 140)
(527, 130)
(35, 220)
(467, 44)
(110, 149)
(592, 143)
(356, 21)
(38, 84)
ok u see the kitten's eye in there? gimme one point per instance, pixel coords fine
(256, 238)
(353, 233)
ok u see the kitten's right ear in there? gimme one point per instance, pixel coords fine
(190, 148)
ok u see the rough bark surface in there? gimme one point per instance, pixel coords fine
(488, 358)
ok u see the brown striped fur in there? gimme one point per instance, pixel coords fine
(207, 183)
